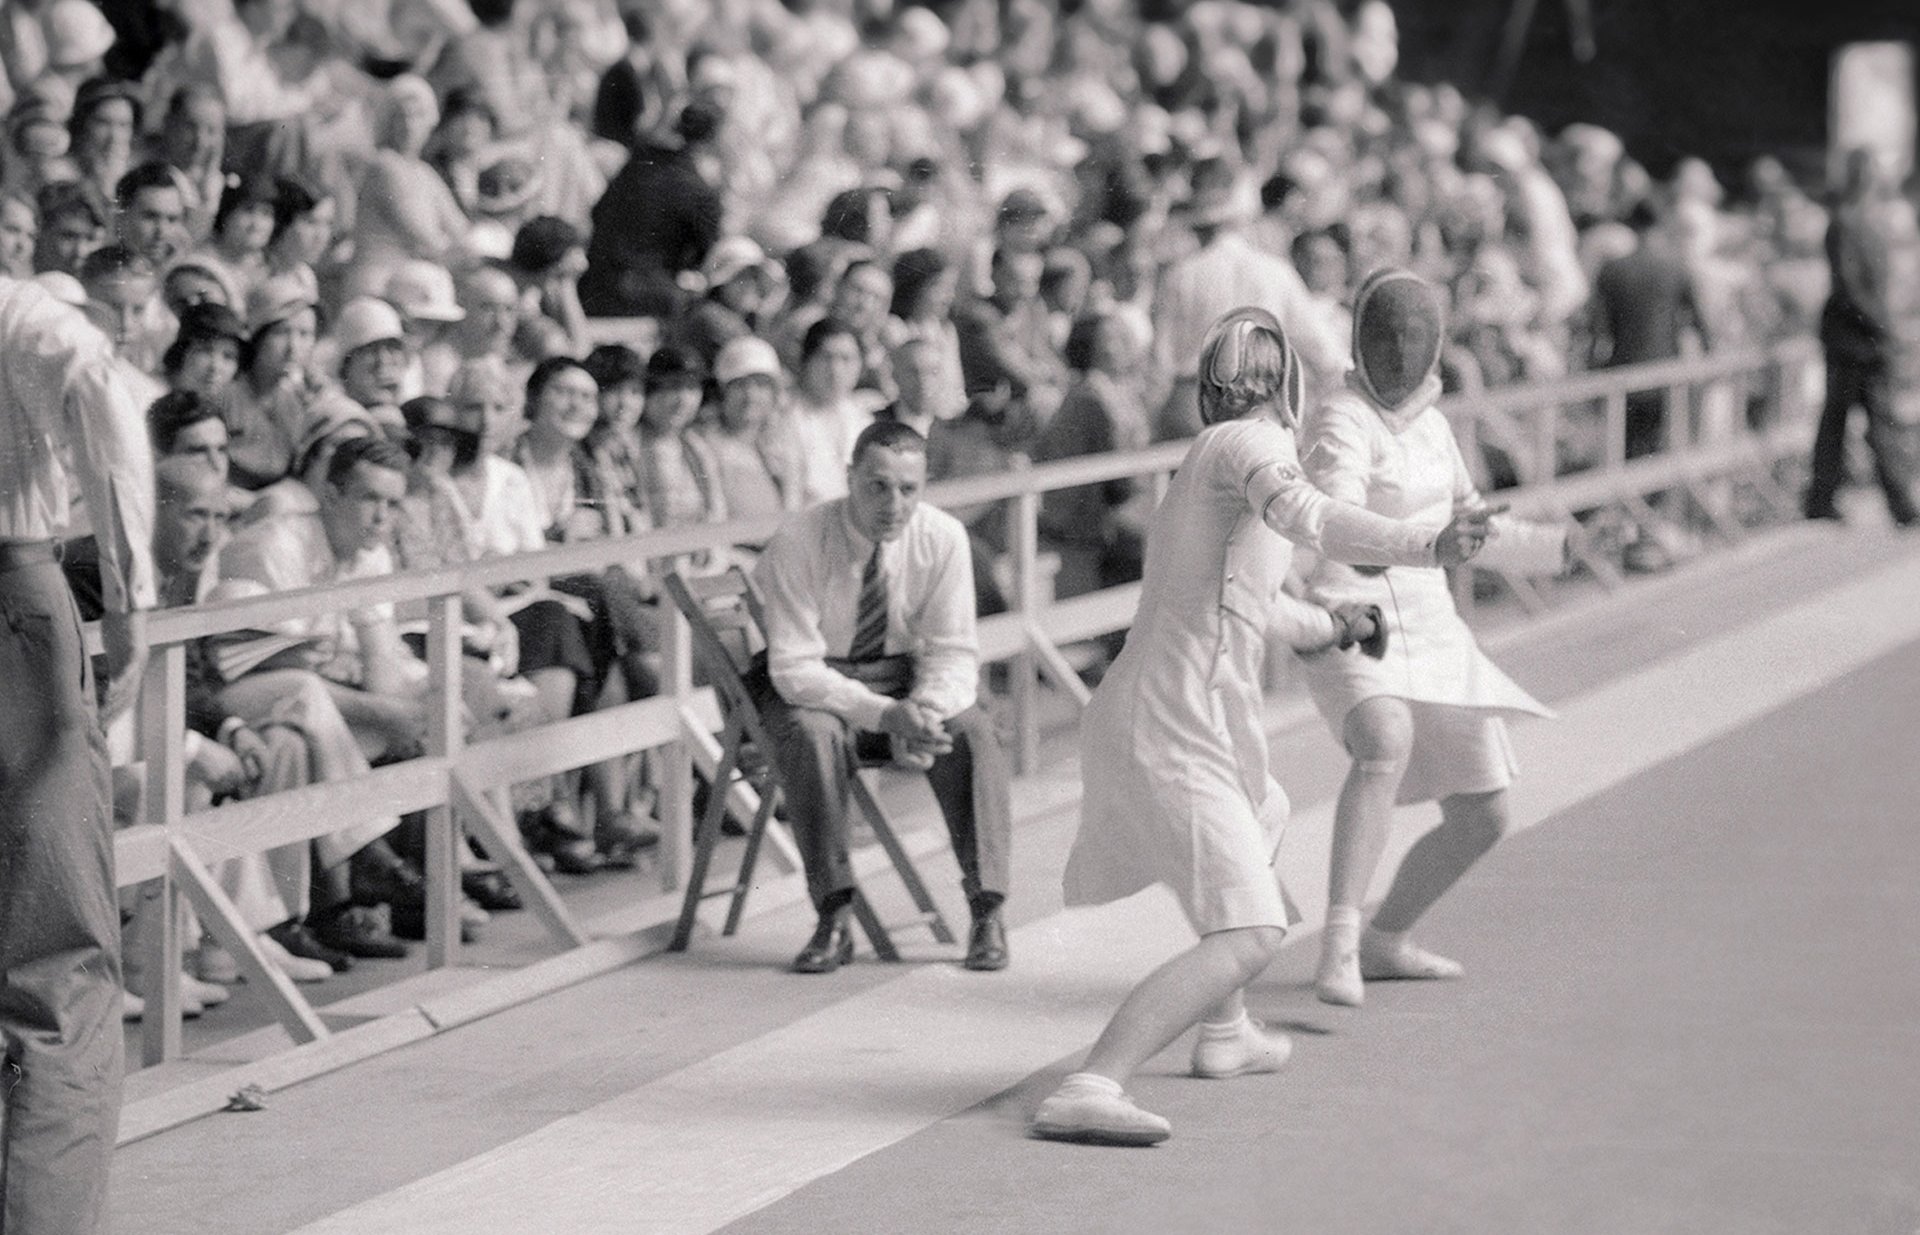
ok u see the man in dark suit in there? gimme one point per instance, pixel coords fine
(657, 219)
(1857, 331)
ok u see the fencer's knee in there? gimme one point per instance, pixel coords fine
(1253, 947)
(1379, 736)
(1481, 818)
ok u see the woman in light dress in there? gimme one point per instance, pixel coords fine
(1173, 753)
(1423, 722)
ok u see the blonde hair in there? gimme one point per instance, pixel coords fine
(1246, 362)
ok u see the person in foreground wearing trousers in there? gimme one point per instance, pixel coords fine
(870, 631)
(1423, 721)
(63, 405)
(1172, 747)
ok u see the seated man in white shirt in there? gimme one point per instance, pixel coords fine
(870, 631)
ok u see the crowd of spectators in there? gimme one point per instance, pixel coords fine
(419, 282)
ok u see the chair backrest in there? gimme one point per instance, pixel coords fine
(728, 628)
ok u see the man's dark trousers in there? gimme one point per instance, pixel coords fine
(817, 754)
(59, 921)
(1862, 381)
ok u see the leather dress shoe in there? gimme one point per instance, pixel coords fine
(577, 857)
(830, 947)
(395, 881)
(491, 890)
(987, 943)
(296, 937)
(360, 930)
(410, 922)
(622, 837)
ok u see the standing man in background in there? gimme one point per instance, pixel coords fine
(1859, 333)
(63, 405)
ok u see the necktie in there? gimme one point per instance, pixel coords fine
(870, 619)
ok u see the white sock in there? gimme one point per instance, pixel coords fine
(1093, 1081)
(1343, 924)
(1216, 1030)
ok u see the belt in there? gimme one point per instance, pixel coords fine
(17, 554)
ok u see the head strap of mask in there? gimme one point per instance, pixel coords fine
(1399, 326)
(1224, 390)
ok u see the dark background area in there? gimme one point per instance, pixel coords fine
(1723, 79)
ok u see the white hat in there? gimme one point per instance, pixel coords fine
(423, 289)
(732, 255)
(367, 320)
(278, 297)
(77, 33)
(746, 356)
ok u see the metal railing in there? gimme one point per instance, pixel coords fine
(460, 785)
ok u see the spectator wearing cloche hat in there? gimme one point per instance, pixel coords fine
(423, 292)
(547, 259)
(105, 122)
(679, 474)
(752, 438)
(279, 412)
(374, 358)
(742, 284)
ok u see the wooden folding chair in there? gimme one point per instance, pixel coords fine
(728, 628)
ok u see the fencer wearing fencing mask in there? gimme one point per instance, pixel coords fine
(1399, 325)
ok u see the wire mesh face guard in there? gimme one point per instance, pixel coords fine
(1399, 324)
(1228, 384)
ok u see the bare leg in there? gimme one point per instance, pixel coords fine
(1090, 1106)
(608, 780)
(1379, 737)
(1471, 824)
(1205, 979)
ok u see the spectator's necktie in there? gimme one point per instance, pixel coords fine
(870, 619)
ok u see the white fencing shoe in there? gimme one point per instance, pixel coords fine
(1093, 1110)
(1338, 979)
(1239, 1049)
(1386, 957)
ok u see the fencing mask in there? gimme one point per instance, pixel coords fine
(1399, 324)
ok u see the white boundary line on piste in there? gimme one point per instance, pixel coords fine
(701, 1147)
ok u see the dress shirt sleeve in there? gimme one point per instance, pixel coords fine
(947, 649)
(791, 577)
(114, 459)
(270, 553)
(1286, 501)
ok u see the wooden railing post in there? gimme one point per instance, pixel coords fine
(1024, 529)
(162, 731)
(445, 737)
(674, 762)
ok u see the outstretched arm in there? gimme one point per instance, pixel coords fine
(1519, 546)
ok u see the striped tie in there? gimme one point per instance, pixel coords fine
(870, 620)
